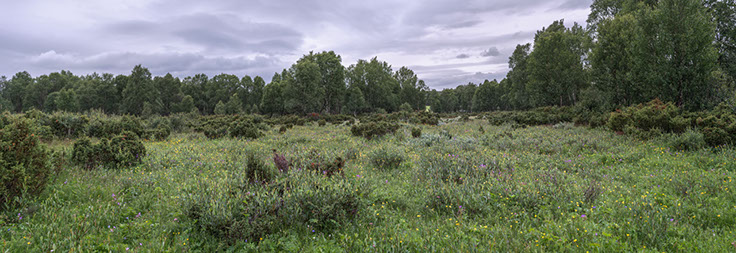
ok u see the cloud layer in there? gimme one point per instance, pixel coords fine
(446, 42)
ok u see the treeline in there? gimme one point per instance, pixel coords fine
(631, 52)
(315, 83)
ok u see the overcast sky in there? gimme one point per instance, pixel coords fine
(446, 42)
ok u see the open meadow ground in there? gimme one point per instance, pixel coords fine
(460, 187)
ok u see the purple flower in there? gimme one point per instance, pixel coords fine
(582, 216)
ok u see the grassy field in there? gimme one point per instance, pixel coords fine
(461, 187)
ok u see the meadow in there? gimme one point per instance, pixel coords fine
(462, 186)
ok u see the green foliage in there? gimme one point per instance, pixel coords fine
(645, 117)
(416, 132)
(220, 108)
(24, 164)
(539, 116)
(68, 125)
(161, 132)
(321, 122)
(248, 128)
(386, 158)
(107, 127)
(369, 130)
(121, 151)
(689, 140)
(297, 200)
(257, 171)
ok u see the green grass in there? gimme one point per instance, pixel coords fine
(538, 189)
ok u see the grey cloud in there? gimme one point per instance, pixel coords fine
(493, 51)
(260, 37)
(180, 64)
(463, 24)
(453, 77)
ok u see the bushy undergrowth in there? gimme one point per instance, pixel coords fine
(372, 129)
(539, 116)
(121, 151)
(24, 163)
(296, 200)
(651, 120)
(386, 158)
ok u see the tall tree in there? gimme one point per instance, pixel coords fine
(139, 89)
(556, 65)
(675, 53)
(724, 16)
(271, 100)
(170, 89)
(354, 101)
(303, 91)
(375, 79)
(518, 77)
(612, 61)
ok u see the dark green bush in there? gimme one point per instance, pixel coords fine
(689, 140)
(257, 171)
(215, 133)
(282, 129)
(297, 200)
(121, 151)
(24, 163)
(416, 132)
(161, 133)
(369, 130)
(245, 128)
(321, 122)
(386, 159)
(646, 117)
(68, 125)
(109, 127)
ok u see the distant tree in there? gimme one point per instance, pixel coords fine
(354, 101)
(138, 90)
(612, 62)
(375, 79)
(220, 108)
(556, 65)
(271, 102)
(186, 105)
(170, 90)
(234, 105)
(302, 87)
(486, 97)
(195, 87)
(674, 52)
(66, 100)
(15, 89)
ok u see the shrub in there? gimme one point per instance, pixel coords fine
(282, 129)
(647, 117)
(298, 200)
(68, 125)
(416, 132)
(109, 127)
(428, 118)
(161, 133)
(689, 140)
(257, 171)
(245, 128)
(322, 122)
(373, 129)
(24, 165)
(446, 134)
(386, 159)
(215, 133)
(121, 151)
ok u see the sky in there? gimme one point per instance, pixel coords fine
(446, 42)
